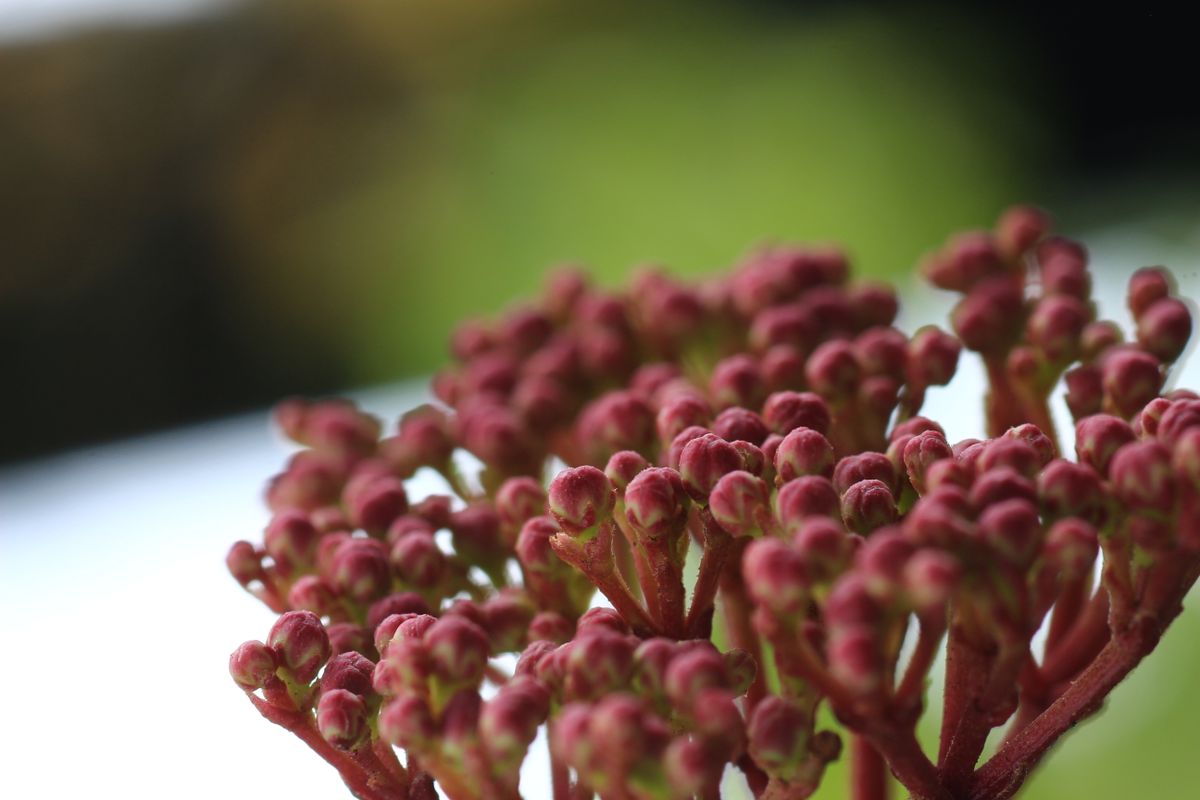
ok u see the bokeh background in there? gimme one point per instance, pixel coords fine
(208, 204)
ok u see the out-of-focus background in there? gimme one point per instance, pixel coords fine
(207, 204)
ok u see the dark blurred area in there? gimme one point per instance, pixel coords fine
(296, 197)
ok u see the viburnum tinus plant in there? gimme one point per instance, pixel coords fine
(738, 466)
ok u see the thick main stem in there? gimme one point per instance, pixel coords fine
(868, 772)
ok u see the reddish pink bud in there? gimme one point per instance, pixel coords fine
(1131, 380)
(458, 650)
(783, 366)
(351, 671)
(681, 413)
(565, 286)
(508, 615)
(690, 766)
(863, 466)
(426, 433)
(656, 503)
(785, 411)
(291, 541)
(1141, 476)
(500, 439)
(346, 637)
(778, 732)
(300, 644)
(855, 659)
(989, 318)
(920, 452)
(1164, 329)
(470, 338)
(833, 370)
(569, 735)
(967, 259)
(542, 402)
(601, 617)
(533, 546)
(781, 325)
(252, 665)
(1146, 287)
(598, 662)
(386, 630)
(408, 723)
(397, 603)
(702, 463)
(775, 576)
(509, 721)
(882, 351)
(1012, 453)
(803, 452)
(1185, 457)
(738, 424)
(623, 467)
(739, 502)
(1147, 420)
(476, 532)
(525, 329)
(934, 354)
(741, 668)
(650, 662)
(737, 381)
(342, 718)
(650, 379)
(915, 426)
(404, 667)
(805, 497)
(361, 570)
(1180, 416)
(375, 503)
(314, 594)
(1098, 337)
(622, 733)
(1012, 529)
(418, 561)
(946, 472)
(693, 671)
(1085, 390)
(1064, 268)
(868, 505)
(1071, 546)
(550, 626)
(878, 395)
(930, 578)
(244, 563)
(1097, 439)
(825, 546)
(937, 523)
(1056, 324)
(580, 498)
(1066, 489)
(619, 420)
(519, 499)
(1020, 228)
(997, 485)
(872, 304)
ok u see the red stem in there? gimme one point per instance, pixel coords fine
(717, 546)
(1081, 645)
(560, 778)
(868, 772)
(735, 605)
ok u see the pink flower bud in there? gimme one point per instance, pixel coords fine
(650, 662)
(1142, 477)
(1012, 529)
(361, 570)
(1164, 329)
(690, 766)
(967, 259)
(739, 502)
(531, 656)
(803, 452)
(458, 650)
(1085, 390)
(1009, 452)
(1147, 420)
(598, 662)
(702, 463)
(693, 671)
(533, 546)
(863, 466)
(782, 366)
(342, 718)
(351, 671)
(872, 304)
(291, 541)
(650, 379)
(1097, 439)
(855, 659)
(606, 618)
(914, 426)
(937, 523)
(656, 503)
(934, 354)
(580, 498)
(508, 615)
(252, 665)
(681, 413)
(476, 532)
(418, 561)
(806, 497)
(314, 594)
(1177, 418)
(569, 735)
(300, 644)
(1098, 337)
(397, 603)
(1147, 286)
(509, 721)
(426, 433)
(623, 467)
(988, 319)
(550, 626)
(851, 602)
(778, 732)
(781, 325)
(519, 499)
(997, 485)
(1132, 379)
(775, 576)
(346, 637)
(868, 505)
(500, 439)
(564, 288)
(407, 524)
(882, 351)
(374, 504)
(785, 411)
(1020, 228)
(825, 547)
(930, 578)
(1064, 268)
(1185, 457)
(622, 734)
(1071, 546)
(738, 424)
(946, 472)
(832, 369)
(742, 668)
(922, 451)
(737, 381)
(407, 722)
(386, 630)
(244, 563)
(1066, 489)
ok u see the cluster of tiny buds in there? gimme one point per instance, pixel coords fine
(746, 465)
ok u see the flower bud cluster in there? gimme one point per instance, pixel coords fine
(746, 463)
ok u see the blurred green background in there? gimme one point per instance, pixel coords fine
(300, 196)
